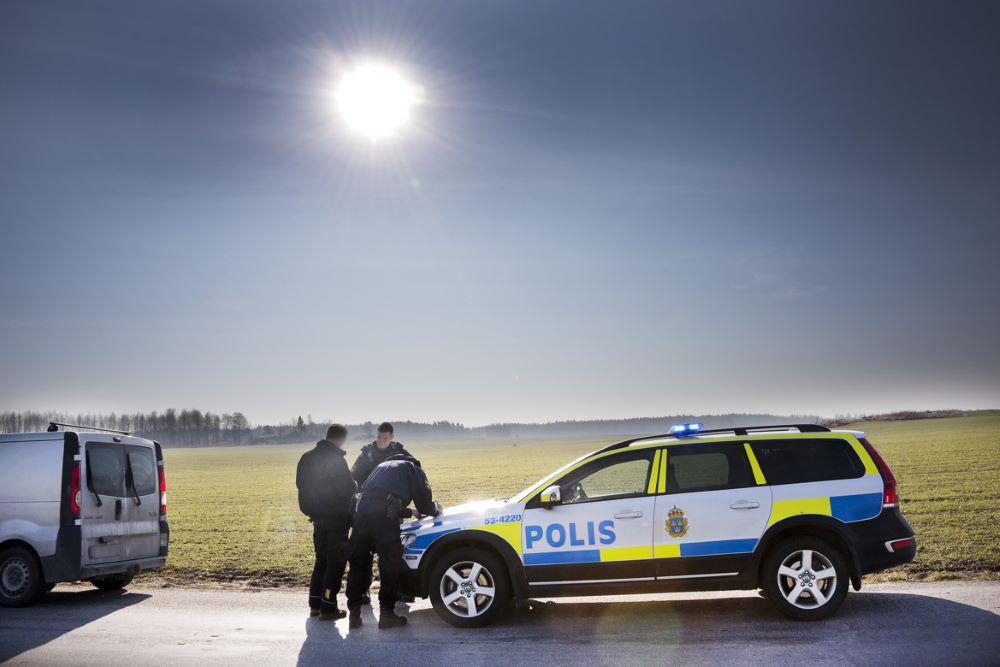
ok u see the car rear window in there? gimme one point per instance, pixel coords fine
(707, 467)
(143, 463)
(797, 461)
(105, 469)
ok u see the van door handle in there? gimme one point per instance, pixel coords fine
(118, 509)
(628, 515)
(745, 505)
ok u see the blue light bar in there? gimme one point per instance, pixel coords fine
(685, 429)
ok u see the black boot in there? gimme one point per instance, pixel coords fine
(389, 619)
(354, 622)
(366, 598)
(331, 614)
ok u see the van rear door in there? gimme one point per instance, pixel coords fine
(121, 504)
(103, 506)
(142, 503)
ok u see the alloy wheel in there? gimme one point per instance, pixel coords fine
(467, 589)
(807, 579)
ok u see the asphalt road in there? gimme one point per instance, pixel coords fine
(923, 624)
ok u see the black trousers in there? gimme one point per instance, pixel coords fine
(330, 541)
(374, 533)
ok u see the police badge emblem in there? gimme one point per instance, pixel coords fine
(677, 523)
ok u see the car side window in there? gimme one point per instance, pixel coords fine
(620, 477)
(799, 460)
(708, 467)
(142, 462)
(105, 469)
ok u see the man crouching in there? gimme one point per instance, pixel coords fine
(381, 507)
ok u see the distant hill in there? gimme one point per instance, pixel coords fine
(194, 428)
(902, 415)
(600, 427)
(408, 430)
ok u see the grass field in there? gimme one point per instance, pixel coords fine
(234, 517)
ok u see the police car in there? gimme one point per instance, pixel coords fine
(799, 511)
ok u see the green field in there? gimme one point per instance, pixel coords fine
(234, 517)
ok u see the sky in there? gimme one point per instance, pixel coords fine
(598, 210)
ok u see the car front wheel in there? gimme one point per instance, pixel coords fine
(806, 578)
(469, 587)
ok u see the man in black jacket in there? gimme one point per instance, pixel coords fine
(375, 452)
(325, 492)
(382, 504)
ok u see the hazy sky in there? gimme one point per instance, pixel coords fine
(600, 210)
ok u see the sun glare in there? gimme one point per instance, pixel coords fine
(375, 100)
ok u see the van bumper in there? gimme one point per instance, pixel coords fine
(126, 567)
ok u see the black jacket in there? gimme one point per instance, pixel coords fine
(401, 476)
(325, 483)
(371, 456)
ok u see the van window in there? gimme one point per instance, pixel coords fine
(105, 469)
(144, 475)
(708, 467)
(798, 461)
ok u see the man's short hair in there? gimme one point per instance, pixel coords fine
(336, 432)
(385, 427)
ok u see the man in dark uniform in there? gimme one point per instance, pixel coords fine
(325, 492)
(375, 452)
(371, 455)
(381, 507)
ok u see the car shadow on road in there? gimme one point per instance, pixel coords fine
(55, 614)
(869, 626)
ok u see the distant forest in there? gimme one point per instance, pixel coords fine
(188, 428)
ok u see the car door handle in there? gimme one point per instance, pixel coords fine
(628, 515)
(745, 505)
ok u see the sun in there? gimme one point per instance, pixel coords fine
(375, 100)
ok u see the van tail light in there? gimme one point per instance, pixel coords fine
(163, 489)
(75, 493)
(891, 497)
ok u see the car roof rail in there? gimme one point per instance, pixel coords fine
(54, 426)
(735, 430)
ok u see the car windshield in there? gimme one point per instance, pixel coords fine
(545, 481)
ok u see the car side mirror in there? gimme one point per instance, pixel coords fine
(551, 496)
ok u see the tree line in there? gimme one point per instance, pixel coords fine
(194, 427)
(176, 427)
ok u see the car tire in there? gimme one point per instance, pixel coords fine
(21, 579)
(805, 578)
(115, 582)
(460, 585)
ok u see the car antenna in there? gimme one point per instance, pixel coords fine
(54, 426)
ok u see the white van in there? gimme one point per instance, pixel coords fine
(78, 505)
